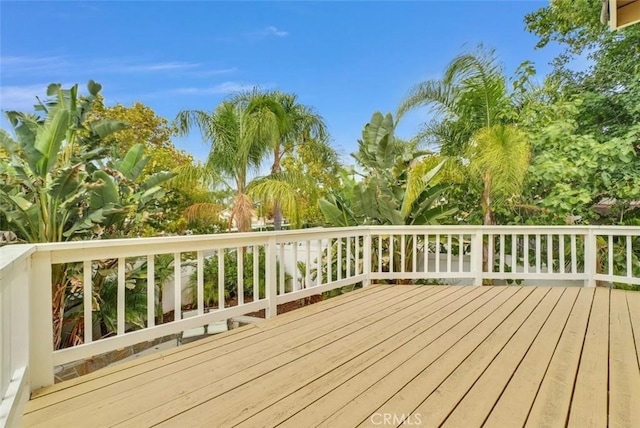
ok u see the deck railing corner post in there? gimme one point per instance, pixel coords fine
(40, 322)
(476, 257)
(366, 258)
(271, 278)
(590, 258)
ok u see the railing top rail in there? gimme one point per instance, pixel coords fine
(231, 237)
(158, 245)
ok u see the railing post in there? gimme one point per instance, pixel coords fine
(366, 258)
(590, 258)
(271, 278)
(476, 257)
(41, 322)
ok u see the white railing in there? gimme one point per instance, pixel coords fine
(15, 268)
(246, 273)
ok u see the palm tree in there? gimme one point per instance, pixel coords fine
(299, 124)
(500, 155)
(240, 131)
(472, 113)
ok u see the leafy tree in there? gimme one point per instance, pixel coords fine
(52, 163)
(186, 203)
(585, 132)
(572, 172)
(146, 128)
(609, 85)
(309, 172)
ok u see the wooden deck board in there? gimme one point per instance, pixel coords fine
(551, 406)
(450, 356)
(160, 385)
(391, 369)
(590, 395)
(421, 375)
(485, 393)
(514, 404)
(624, 377)
(135, 374)
(277, 384)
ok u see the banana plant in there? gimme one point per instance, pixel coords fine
(398, 183)
(46, 178)
(59, 183)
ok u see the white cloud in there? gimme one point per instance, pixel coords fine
(221, 88)
(32, 65)
(21, 98)
(21, 65)
(214, 72)
(266, 32)
(152, 67)
(273, 31)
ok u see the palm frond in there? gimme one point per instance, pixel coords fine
(202, 213)
(439, 96)
(502, 153)
(282, 188)
(242, 212)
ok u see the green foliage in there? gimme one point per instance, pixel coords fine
(153, 132)
(570, 172)
(474, 121)
(396, 188)
(48, 175)
(240, 131)
(609, 84)
(59, 183)
(146, 128)
(304, 165)
(584, 126)
(230, 279)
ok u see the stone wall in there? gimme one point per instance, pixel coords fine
(83, 367)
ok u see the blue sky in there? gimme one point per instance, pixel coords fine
(346, 59)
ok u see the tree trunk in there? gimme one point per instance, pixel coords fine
(277, 216)
(487, 220)
(277, 208)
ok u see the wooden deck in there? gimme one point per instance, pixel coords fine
(450, 356)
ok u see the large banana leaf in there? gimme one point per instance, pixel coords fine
(133, 163)
(388, 213)
(157, 179)
(336, 213)
(105, 192)
(104, 128)
(366, 199)
(379, 133)
(25, 214)
(49, 140)
(416, 185)
(25, 128)
(90, 221)
(67, 182)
